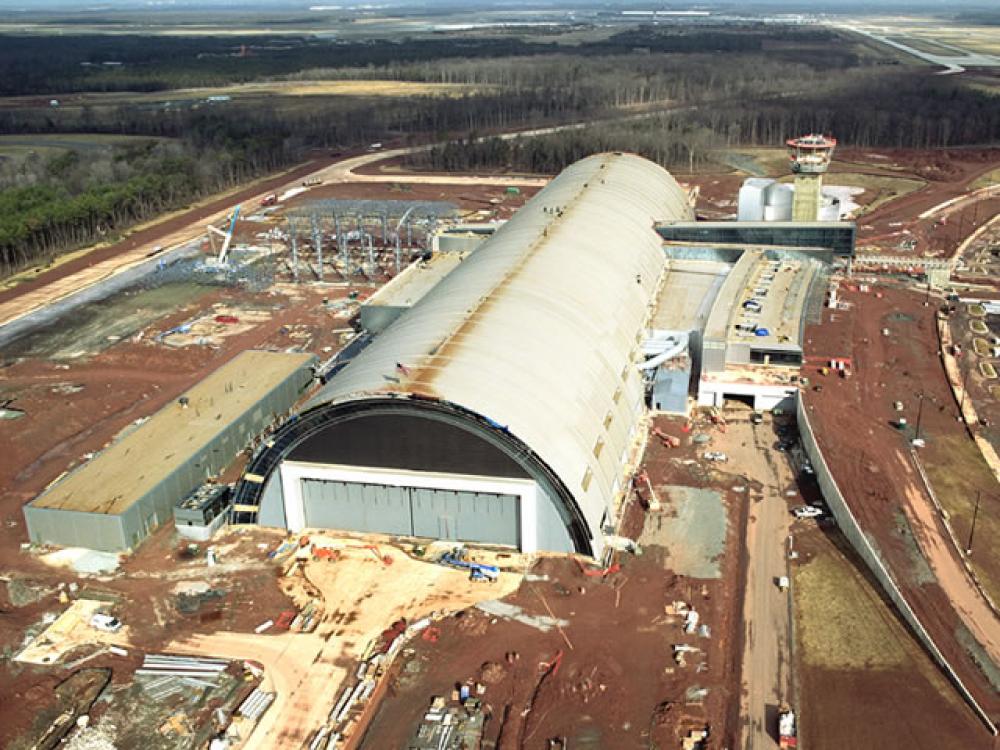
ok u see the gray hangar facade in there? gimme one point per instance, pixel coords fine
(504, 406)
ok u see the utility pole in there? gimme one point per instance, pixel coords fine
(920, 414)
(965, 389)
(975, 515)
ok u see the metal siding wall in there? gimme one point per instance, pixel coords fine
(552, 535)
(713, 356)
(410, 511)
(738, 354)
(69, 528)
(353, 506)
(272, 503)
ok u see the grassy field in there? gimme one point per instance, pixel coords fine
(347, 88)
(863, 679)
(760, 162)
(987, 180)
(924, 45)
(957, 470)
(984, 39)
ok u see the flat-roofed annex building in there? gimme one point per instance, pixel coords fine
(124, 493)
(503, 407)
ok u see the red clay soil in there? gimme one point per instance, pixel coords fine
(949, 174)
(129, 380)
(853, 419)
(618, 686)
(611, 688)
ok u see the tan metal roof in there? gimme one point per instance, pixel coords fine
(136, 464)
(537, 329)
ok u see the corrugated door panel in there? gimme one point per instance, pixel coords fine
(354, 506)
(410, 511)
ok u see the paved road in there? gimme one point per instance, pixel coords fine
(767, 651)
(952, 64)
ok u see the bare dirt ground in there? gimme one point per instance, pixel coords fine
(361, 597)
(949, 175)
(77, 405)
(617, 686)
(869, 457)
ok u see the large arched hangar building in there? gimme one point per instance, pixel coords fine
(501, 408)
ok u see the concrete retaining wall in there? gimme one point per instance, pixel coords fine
(117, 281)
(852, 530)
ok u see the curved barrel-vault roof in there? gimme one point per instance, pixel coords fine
(538, 330)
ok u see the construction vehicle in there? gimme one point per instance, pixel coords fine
(787, 735)
(227, 236)
(668, 441)
(459, 558)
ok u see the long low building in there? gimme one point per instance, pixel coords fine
(504, 406)
(119, 497)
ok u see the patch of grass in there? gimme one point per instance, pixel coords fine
(978, 327)
(981, 346)
(957, 470)
(977, 310)
(987, 180)
(44, 146)
(843, 623)
(988, 371)
(765, 162)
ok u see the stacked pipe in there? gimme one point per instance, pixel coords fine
(182, 666)
(255, 704)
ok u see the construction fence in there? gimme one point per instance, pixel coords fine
(851, 529)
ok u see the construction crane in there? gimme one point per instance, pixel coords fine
(227, 236)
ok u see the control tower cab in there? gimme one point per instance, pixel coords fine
(810, 157)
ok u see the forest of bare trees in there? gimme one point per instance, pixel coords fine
(673, 96)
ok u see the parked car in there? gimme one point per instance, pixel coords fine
(756, 418)
(107, 623)
(807, 511)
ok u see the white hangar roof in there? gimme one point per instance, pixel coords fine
(538, 330)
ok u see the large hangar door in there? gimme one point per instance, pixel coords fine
(356, 506)
(484, 517)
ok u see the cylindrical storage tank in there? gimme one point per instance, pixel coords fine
(778, 213)
(779, 194)
(751, 200)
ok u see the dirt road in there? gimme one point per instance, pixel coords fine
(767, 655)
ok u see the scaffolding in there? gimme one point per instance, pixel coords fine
(367, 238)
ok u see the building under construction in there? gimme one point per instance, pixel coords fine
(124, 493)
(501, 398)
(503, 407)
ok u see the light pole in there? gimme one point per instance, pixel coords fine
(972, 530)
